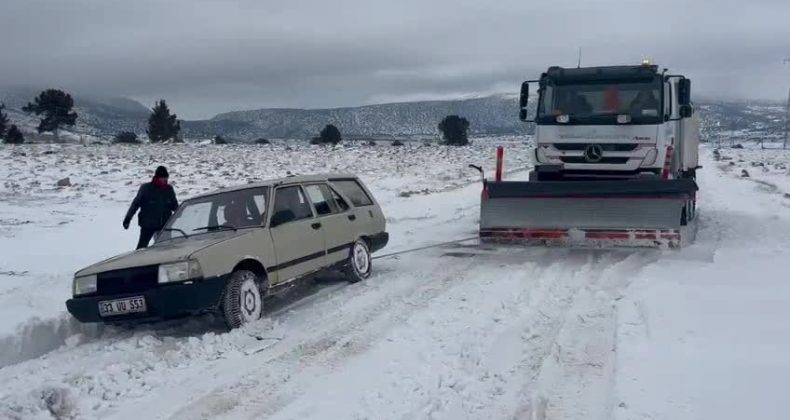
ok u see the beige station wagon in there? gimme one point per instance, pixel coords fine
(226, 251)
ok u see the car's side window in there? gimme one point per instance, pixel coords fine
(322, 199)
(354, 191)
(290, 205)
(341, 204)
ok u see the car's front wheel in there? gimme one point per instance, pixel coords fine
(242, 302)
(359, 263)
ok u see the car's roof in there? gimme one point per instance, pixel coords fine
(294, 179)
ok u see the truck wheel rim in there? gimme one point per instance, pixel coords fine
(361, 260)
(249, 301)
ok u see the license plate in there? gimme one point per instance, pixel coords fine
(122, 306)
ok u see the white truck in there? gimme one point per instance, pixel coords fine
(616, 155)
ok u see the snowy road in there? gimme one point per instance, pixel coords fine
(464, 333)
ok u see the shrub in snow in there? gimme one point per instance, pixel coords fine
(397, 143)
(65, 182)
(329, 135)
(161, 124)
(56, 107)
(3, 121)
(219, 140)
(744, 173)
(454, 130)
(14, 136)
(126, 137)
(262, 141)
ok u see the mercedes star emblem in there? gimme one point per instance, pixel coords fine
(593, 153)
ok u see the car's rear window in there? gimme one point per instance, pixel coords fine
(354, 191)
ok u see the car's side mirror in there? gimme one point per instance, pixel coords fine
(686, 111)
(282, 217)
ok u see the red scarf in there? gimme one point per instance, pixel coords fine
(160, 183)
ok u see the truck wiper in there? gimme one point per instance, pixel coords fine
(176, 230)
(217, 227)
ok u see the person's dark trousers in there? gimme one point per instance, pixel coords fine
(145, 237)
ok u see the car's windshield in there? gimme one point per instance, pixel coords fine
(601, 103)
(225, 211)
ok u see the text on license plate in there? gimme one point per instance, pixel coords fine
(122, 306)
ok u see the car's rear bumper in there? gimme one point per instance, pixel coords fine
(166, 301)
(379, 241)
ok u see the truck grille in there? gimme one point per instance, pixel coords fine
(610, 147)
(605, 160)
(130, 280)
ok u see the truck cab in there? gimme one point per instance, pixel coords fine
(614, 122)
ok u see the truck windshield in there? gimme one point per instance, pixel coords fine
(601, 103)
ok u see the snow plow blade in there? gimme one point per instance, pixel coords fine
(610, 213)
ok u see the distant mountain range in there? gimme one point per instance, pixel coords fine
(490, 115)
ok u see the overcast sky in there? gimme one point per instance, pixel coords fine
(210, 56)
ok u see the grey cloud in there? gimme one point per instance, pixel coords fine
(209, 56)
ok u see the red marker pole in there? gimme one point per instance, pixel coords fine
(500, 155)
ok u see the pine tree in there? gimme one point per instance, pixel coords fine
(57, 108)
(162, 125)
(14, 136)
(3, 121)
(329, 135)
(453, 130)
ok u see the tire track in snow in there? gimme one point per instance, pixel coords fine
(576, 379)
(295, 363)
(466, 353)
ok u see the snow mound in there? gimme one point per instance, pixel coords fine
(37, 337)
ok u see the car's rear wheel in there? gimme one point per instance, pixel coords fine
(242, 302)
(360, 263)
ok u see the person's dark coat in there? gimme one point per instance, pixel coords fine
(156, 204)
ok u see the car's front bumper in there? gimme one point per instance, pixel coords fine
(162, 302)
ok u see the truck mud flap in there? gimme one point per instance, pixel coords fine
(629, 213)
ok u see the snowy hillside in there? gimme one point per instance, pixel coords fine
(100, 116)
(742, 121)
(456, 332)
(487, 115)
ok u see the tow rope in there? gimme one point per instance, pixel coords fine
(406, 251)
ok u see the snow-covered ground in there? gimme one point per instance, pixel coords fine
(448, 333)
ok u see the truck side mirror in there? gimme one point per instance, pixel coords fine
(524, 97)
(686, 111)
(684, 92)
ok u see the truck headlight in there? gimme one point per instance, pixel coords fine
(180, 271)
(650, 157)
(84, 285)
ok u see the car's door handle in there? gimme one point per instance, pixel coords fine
(316, 226)
(352, 217)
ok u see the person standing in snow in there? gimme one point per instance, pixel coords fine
(156, 201)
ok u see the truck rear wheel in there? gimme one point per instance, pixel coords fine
(242, 302)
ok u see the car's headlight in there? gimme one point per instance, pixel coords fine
(84, 285)
(179, 271)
